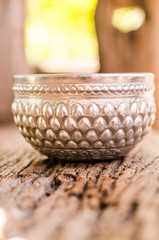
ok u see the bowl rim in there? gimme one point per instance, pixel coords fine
(85, 75)
(94, 78)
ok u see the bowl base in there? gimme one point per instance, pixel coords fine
(85, 154)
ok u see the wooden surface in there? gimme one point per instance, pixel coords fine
(41, 199)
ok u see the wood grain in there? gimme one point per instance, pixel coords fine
(42, 199)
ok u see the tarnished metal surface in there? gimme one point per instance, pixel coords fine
(84, 117)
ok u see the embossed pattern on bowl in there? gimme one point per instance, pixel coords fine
(84, 117)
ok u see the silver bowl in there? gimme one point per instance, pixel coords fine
(84, 117)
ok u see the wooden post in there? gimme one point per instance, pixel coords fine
(136, 51)
(12, 61)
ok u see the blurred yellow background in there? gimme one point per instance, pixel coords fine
(61, 30)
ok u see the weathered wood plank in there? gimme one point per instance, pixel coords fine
(44, 199)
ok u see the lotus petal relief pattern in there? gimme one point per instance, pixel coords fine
(85, 117)
(81, 126)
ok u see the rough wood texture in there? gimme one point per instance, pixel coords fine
(41, 199)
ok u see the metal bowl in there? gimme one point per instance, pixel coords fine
(83, 116)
